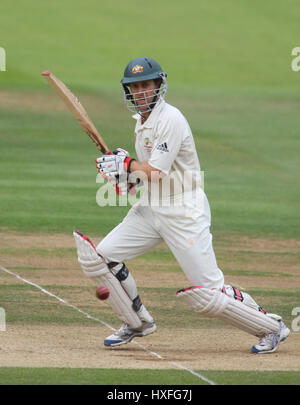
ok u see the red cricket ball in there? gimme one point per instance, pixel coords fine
(102, 293)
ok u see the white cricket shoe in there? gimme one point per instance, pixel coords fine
(269, 343)
(125, 334)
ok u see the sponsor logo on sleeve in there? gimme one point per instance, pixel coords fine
(163, 147)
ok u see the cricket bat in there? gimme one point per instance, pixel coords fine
(77, 110)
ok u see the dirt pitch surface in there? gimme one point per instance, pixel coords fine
(55, 344)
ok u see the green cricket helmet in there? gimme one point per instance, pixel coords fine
(141, 69)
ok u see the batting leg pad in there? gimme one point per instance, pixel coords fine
(95, 266)
(215, 304)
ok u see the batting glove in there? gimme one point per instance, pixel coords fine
(115, 167)
(115, 164)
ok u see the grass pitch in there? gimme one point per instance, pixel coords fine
(66, 376)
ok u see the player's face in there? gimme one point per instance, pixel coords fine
(143, 93)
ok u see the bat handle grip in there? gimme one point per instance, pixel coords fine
(118, 191)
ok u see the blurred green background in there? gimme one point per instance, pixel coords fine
(229, 71)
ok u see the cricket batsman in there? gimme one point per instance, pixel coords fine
(176, 212)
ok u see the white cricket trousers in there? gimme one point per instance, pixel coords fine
(185, 229)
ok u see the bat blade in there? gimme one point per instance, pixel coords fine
(77, 110)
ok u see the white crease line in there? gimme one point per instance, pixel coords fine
(58, 298)
(178, 365)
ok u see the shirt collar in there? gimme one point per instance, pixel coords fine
(152, 117)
